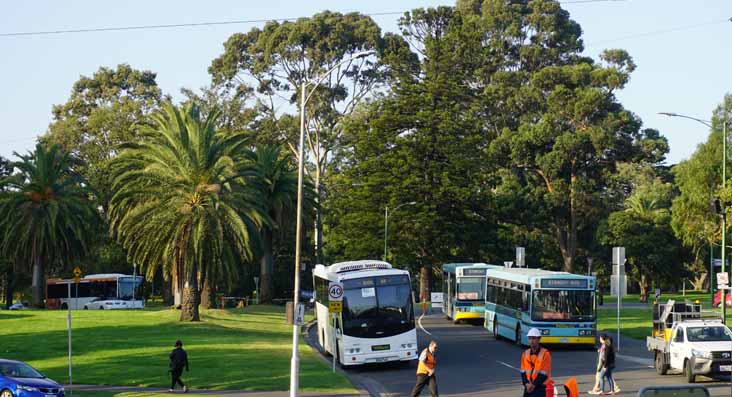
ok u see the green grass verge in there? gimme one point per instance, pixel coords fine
(638, 323)
(80, 393)
(246, 349)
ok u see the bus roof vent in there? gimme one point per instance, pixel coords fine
(354, 266)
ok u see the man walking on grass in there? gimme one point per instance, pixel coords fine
(178, 360)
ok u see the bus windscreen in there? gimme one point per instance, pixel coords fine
(471, 289)
(377, 307)
(563, 306)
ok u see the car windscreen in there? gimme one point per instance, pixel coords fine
(563, 305)
(19, 370)
(377, 307)
(470, 288)
(708, 334)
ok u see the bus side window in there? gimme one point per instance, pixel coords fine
(525, 301)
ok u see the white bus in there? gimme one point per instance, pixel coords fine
(113, 291)
(377, 323)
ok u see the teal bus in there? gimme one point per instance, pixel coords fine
(463, 290)
(561, 305)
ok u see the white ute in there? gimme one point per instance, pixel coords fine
(688, 340)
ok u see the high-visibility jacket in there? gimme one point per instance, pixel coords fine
(424, 367)
(536, 368)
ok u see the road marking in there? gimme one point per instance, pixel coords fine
(508, 365)
(419, 321)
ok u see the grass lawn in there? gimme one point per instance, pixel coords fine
(80, 393)
(637, 323)
(236, 349)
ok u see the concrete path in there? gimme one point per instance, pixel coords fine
(227, 393)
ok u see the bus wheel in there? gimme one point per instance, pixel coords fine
(495, 330)
(518, 336)
(64, 306)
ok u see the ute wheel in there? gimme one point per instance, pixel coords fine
(6, 393)
(86, 307)
(101, 307)
(518, 336)
(660, 363)
(690, 377)
(495, 329)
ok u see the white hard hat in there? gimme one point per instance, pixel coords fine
(534, 332)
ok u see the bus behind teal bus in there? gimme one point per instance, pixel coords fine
(561, 305)
(463, 289)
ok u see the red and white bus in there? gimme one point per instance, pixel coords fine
(123, 290)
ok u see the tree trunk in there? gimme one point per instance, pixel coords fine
(191, 297)
(206, 295)
(699, 281)
(318, 219)
(9, 284)
(37, 286)
(424, 282)
(266, 286)
(643, 287)
(168, 291)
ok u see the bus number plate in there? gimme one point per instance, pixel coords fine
(378, 348)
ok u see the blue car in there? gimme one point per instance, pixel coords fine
(18, 379)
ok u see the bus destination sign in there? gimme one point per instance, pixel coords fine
(473, 272)
(563, 283)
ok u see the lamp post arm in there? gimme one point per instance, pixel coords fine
(671, 114)
(322, 77)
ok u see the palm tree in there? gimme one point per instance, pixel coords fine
(187, 198)
(279, 178)
(46, 213)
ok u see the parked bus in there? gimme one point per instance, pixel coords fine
(377, 323)
(561, 305)
(463, 290)
(125, 290)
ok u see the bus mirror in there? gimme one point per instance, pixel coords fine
(674, 391)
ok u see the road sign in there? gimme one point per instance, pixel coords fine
(335, 307)
(335, 292)
(437, 299)
(520, 257)
(723, 278)
(300, 314)
(658, 293)
(77, 272)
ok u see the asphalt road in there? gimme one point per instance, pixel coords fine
(472, 363)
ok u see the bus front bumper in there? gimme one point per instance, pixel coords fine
(563, 340)
(381, 357)
(467, 315)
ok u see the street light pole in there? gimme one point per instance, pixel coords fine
(386, 222)
(722, 203)
(295, 362)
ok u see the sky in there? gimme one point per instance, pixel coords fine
(680, 48)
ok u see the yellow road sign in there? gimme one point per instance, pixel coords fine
(335, 307)
(77, 272)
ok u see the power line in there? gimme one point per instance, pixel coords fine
(215, 23)
(663, 31)
(169, 26)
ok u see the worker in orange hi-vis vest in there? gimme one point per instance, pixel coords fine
(426, 371)
(536, 367)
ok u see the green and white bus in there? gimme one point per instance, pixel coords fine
(561, 305)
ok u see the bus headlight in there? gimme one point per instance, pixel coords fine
(545, 332)
(406, 345)
(586, 332)
(354, 350)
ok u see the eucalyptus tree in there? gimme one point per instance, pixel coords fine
(187, 198)
(272, 64)
(46, 213)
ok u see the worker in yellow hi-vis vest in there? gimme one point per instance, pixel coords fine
(426, 371)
